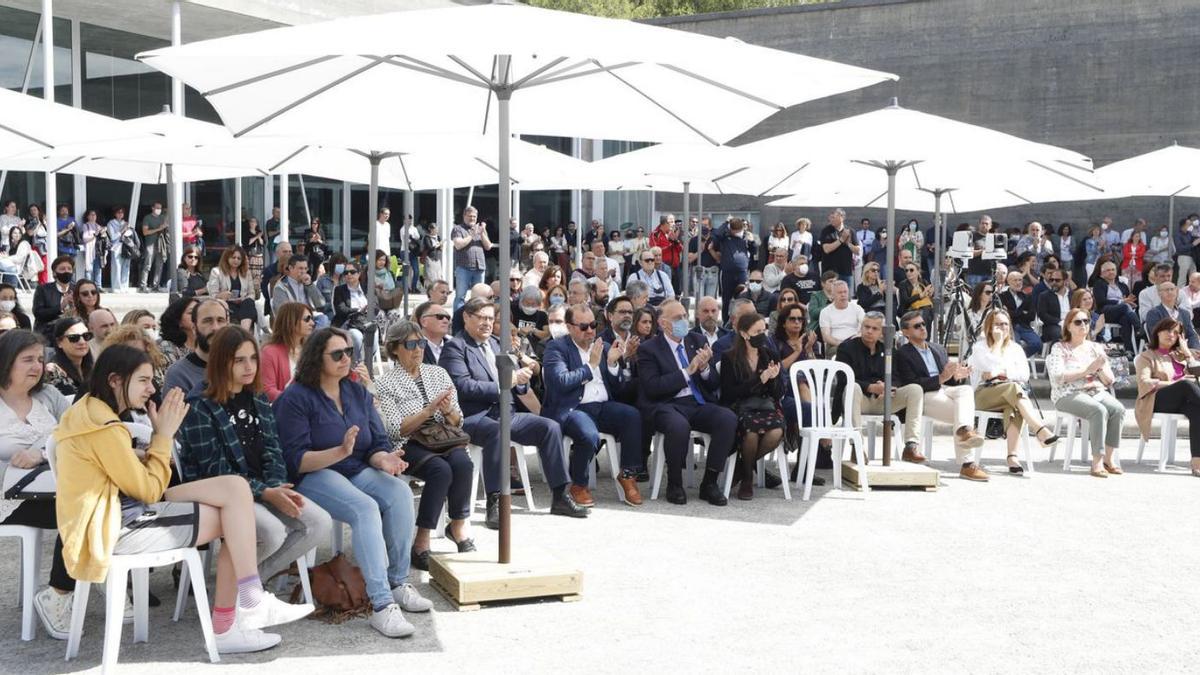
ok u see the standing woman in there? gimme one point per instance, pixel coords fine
(29, 413)
(123, 247)
(1161, 248)
(189, 282)
(85, 298)
(71, 365)
(230, 281)
(913, 240)
(292, 324)
(1000, 376)
(37, 230)
(1164, 385)
(411, 394)
(112, 502)
(91, 254)
(751, 387)
(340, 457)
(9, 220)
(69, 241)
(1133, 257)
(252, 244)
(9, 302)
(1079, 379)
(559, 248)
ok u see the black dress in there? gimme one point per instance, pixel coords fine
(757, 404)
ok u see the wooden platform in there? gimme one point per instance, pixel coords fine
(897, 475)
(469, 580)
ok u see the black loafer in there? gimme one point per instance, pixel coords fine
(465, 546)
(493, 511)
(712, 494)
(643, 476)
(772, 481)
(420, 560)
(565, 506)
(676, 494)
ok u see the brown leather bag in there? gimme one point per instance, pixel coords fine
(338, 589)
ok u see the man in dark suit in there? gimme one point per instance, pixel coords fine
(677, 390)
(470, 359)
(584, 379)
(1053, 306)
(434, 321)
(948, 398)
(1020, 309)
(708, 320)
(1116, 302)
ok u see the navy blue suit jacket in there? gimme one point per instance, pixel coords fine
(565, 375)
(659, 376)
(468, 370)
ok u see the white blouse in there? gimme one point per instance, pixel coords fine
(1063, 358)
(1011, 360)
(399, 396)
(18, 434)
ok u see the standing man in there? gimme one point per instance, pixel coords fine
(154, 244)
(273, 230)
(1186, 241)
(709, 270)
(383, 231)
(665, 237)
(283, 252)
(978, 269)
(470, 241)
(1110, 237)
(732, 253)
(948, 398)
(839, 245)
(866, 240)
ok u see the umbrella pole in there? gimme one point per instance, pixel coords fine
(504, 364)
(408, 266)
(889, 323)
(372, 208)
(1171, 222)
(686, 227)
(938, 239)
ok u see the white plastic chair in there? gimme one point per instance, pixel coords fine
(1167, 436)
(138, 566)
(981, 419)
(522, 469)
(1070, 425)
(822, 377)
(608, 446)
(659, 457)
(780, 453)
(871, 423)
(31, 548)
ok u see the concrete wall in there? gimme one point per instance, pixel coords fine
(1108, 78)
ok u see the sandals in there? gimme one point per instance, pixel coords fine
(1049, 441)
(1018, 469)
(1113, 469)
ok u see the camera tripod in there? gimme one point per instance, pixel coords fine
(956, 286)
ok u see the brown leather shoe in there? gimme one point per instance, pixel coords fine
(582, 496)
(912, 454)
(974, 472)
(967, 438)
(632, 496)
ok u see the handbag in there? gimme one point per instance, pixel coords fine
(757, 404)
(338, 589)
(35, 483)
(438, 436)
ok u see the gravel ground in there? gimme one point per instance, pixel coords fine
(1056, 573)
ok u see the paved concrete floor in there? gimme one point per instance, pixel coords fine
(1056, 573)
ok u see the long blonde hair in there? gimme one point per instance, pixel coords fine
(989, 322)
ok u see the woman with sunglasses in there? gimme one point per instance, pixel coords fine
(870, 292)
(189, 282)
(71, 365)
(1000, 377)
(350, 313)
(230, 281)
(915, 293)
(409, 395)
(1083, 299)
(291, 326)
(339, 456)
(1080, 376)
(1164, 385)
(85, 298)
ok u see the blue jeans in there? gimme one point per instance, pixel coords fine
(379, 509)
(584, 425)
(1028, 339)
(120, 272)
(463, 280)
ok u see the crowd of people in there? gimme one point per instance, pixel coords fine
(331, 410)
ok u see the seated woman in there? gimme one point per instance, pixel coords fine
(915, 293)
(752, 388)
(350, 308)
(870, 292)
(71, 364)
(110, 502)
(178, 332)
(410, 394)
(189, 282)
(230, 281)
(291, 326)
(340, 457)
(230, 430)
(1079, 379)
(1163, 385)
(85, 298)
(138, 338)
(9, 302)
(999, 375)
(1083, 299)
(29, 413)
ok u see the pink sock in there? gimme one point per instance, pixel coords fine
(222, 619)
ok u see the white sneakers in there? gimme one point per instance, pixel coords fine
(239, 640)
(54, 609)
(390, 622)
(410, 600)
(271, 611)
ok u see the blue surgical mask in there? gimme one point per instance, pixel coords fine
(339, 268)
(679, 329)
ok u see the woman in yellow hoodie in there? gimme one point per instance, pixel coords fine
(110, 501)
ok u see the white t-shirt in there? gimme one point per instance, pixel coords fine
(383, 237)
(799, 239)
(841, 324)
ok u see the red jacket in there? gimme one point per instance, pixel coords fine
(1134, 258)
(276, 370)
(672, 250)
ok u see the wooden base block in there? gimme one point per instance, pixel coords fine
(898, 474)
(469, 580)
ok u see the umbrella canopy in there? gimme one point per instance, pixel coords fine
(708, 169)
(34, 125)
(1173, 171)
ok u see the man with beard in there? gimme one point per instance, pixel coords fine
(209, 315)
(708, 324)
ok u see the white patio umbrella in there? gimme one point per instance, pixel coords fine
(1173, 171)
(889, 141)
(566, 74)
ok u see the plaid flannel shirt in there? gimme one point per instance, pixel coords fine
(209, 445)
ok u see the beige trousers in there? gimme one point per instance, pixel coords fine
(909, 398)
(954, 406)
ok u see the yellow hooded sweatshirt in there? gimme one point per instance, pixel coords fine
(95, 463)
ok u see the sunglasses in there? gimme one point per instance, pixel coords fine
(1079, 322)
(339, 355)
(415, 343)
(647, 259)
(587, 326)
(79, 337)
(917, 326)
(88, 294)
(308, 318)
(443, 317)
(351, 271)
(796, 319)
(190, 255)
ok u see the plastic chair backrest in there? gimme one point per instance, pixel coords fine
(822, 376)
(51, 458)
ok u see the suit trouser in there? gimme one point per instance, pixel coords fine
(527, 429)
(910, 398)
(1123, 315)
(709, 282)
(954, 406)
(678, 417)
(730, 280)
(583, 426)
(1187, 265)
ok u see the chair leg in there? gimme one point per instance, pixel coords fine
(839, 452)
(114, 615)
(781, 462)
(727, 479)
(199, 590)
(30, 543)
(614, 465)
(78, 610)
(141, 604)
(811, 469)
(302, 569)
(1027, 447)
(181, 596)
(523, 471)
(862, 466)
(657, 450)
(1166, 448)
(1071, 426)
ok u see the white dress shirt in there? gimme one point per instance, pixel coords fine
(594, 390)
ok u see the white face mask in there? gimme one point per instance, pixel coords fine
(7, 305)
(1104, 226)
(558, 330)
(157, 212)
(802, 270)
(1162, 233)
(152, 334)
(755, 286)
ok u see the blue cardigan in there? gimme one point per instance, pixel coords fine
(308, 420)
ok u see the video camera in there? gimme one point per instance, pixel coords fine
(993, 245)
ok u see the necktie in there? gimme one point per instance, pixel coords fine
(683, 361)
(490, 357)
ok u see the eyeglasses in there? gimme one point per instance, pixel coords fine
(416, 343)
(796, 319)
(587, 326)
(308, 318)
(88, 294)
(483, 317)
(351, 271)
(73, 339)
(442, 317)
(917, 326)
(1079, 322)
(647, 259)
(339, 355)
